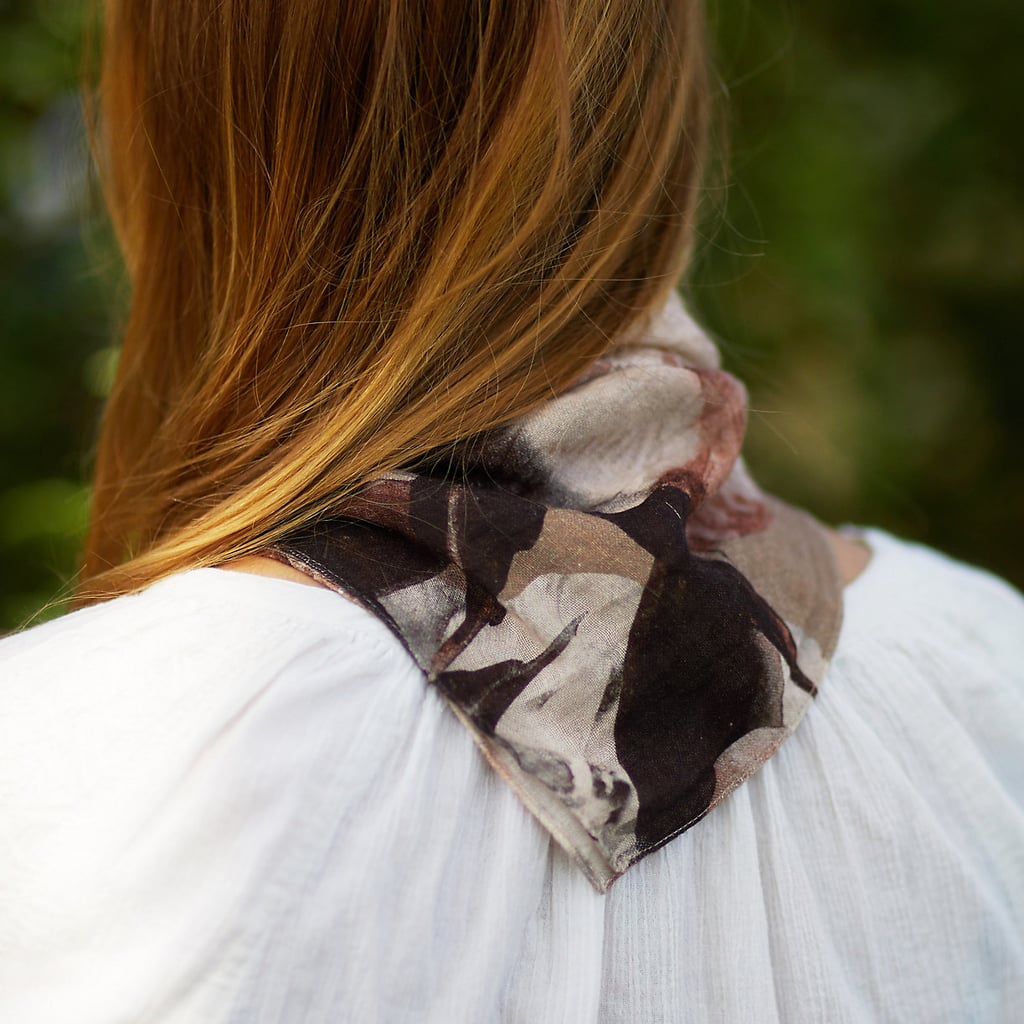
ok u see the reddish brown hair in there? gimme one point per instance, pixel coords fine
(359, 232)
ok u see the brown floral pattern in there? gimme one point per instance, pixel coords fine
(624, 623)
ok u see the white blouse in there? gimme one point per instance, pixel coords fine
(233, 798)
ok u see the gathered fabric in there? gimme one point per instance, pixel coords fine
(625, 623)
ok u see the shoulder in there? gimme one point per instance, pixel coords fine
(153, 672)
(125, 688)
(231, 791)
(194, 622)
(908, 586)
(917, 622)
(192, 648)
(167, 761)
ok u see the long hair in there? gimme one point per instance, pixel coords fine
(358, 233)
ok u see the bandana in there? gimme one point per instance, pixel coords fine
(625, 624)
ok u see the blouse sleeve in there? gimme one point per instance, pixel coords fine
(201, 793)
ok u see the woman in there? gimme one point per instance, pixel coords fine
(402, 331)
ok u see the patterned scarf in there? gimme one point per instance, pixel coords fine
(624, 623)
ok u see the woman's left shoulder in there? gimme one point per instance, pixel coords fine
(169, 760)
(133, 690)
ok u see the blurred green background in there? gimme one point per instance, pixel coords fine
(862, 261)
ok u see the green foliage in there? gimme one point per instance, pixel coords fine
(54, 308)
(864, 267)
(862, 263)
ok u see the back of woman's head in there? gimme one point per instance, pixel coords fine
(359, 232)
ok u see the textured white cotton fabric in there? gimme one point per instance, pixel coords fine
(233, 798)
